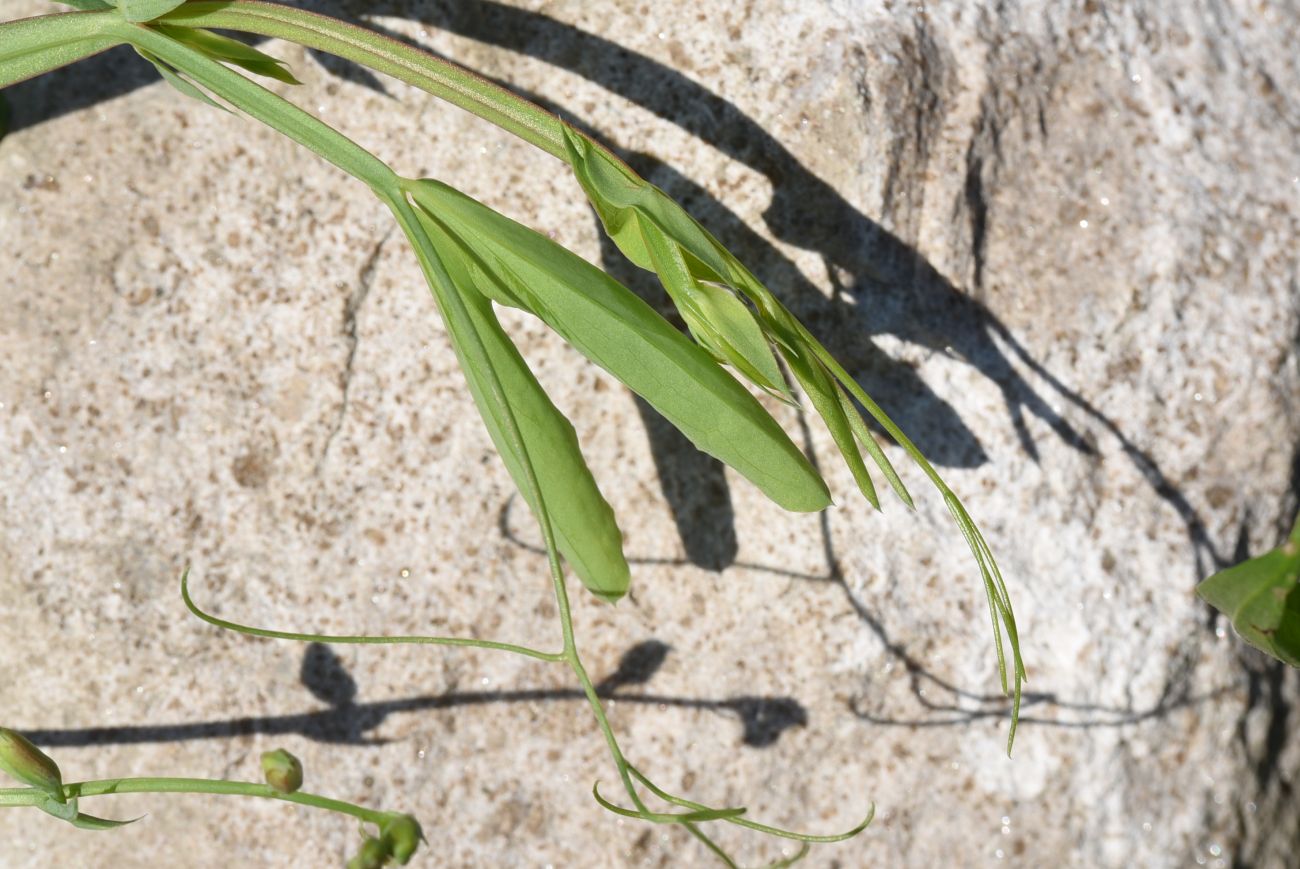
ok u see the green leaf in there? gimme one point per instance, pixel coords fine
(146, 10)
(89, 822)
(618, 331)
(176, 80)
(64, 810)
(1262, 598)
(88, 5)
(223, 48)
(823, 392)
(656, 234)
(585, 528)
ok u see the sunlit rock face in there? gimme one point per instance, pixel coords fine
(1055, 241)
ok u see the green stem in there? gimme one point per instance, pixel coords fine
(418, 68)
(33, 46)
(149, 785)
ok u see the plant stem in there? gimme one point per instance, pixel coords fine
(166, 785)
(267, 107)
(418, 68)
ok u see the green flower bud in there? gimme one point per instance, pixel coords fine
(373, 855)
(403, 834)
(283, 771)
(29, 764)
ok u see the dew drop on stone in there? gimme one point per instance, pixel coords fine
(420, 754)
(1220, 632)
(1146, 826)
(1105, 200)
(1215, 850)
(405, 572)
(1083, 224)
(1005, 820)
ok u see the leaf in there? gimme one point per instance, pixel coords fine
(1262, 598)
(176, 80)
(146, 10)
(64, 810)
(656, 234)
(87, 5)
(618, 331)
(89, 822)
(823, 392)
(223, 48)
(585, 528)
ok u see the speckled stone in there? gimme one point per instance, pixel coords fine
(1057, 241)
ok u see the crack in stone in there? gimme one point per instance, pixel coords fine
(351, 307)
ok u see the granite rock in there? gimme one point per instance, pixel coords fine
(1056, 241)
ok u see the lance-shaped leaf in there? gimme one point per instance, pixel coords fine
(585, 528)
(618, 331)
(225, 49)
(668, 242)
(146, 10)
(178, 81)
(83, 821)
(1262, 598)
(88, 5)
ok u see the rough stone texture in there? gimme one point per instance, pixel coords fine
(1057, 240)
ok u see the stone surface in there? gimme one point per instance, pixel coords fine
(1057, 241)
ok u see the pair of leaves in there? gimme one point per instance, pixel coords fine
(585, 530)
(655, 233)
(711, 288)
(1262, 598)
(492, 258)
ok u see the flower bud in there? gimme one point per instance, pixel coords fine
(29, 764)
(403, 834)
(283, 771)
(373, 855)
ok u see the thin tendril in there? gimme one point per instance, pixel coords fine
(554, 657)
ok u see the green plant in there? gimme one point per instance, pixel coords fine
(473, 258)
(1262, 598)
